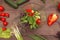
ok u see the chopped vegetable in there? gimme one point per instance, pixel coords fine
(52, 18)
(36, 37)
(4, 28)
(5, 34)
(29, 10)
(31, 14)
(31, 18)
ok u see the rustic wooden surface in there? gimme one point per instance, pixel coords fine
(45, 10)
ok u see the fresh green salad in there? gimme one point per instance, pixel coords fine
(31, 17)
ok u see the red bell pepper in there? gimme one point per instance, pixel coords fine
(52, 18)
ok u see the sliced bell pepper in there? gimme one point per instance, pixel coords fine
(52, 18)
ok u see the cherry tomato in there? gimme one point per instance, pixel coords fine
(6, 14)
(38, 21)
(3, 14)
(0, 18)
(5, 23)
(3, 19)
(1, 8)
(0, 14)
(4, 28)
(58, 7)
(31, 14)
(29, 10)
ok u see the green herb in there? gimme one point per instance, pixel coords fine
(5, 34)
(30, 20)
(36, 37)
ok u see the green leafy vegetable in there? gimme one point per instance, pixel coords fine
(36, 37)
(31, 20)
(5, 34)
(24, 18)
(31, 17)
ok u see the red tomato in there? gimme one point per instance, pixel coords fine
(6, 14)
(0, 14)
(31, 14)
(4, 28)
(3, 19)
(3, 14)
(1, 8)
(58, 6)
(38, 21)
(5, 23)
(0, 18)
(29, 10)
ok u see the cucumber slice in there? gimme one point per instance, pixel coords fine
(11, 3)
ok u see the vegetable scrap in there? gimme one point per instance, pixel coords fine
(52, 18)
(30, 12)
(5, 33)
(2, 15)
(32, 17)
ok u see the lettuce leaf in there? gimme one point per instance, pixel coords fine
(5, 34)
